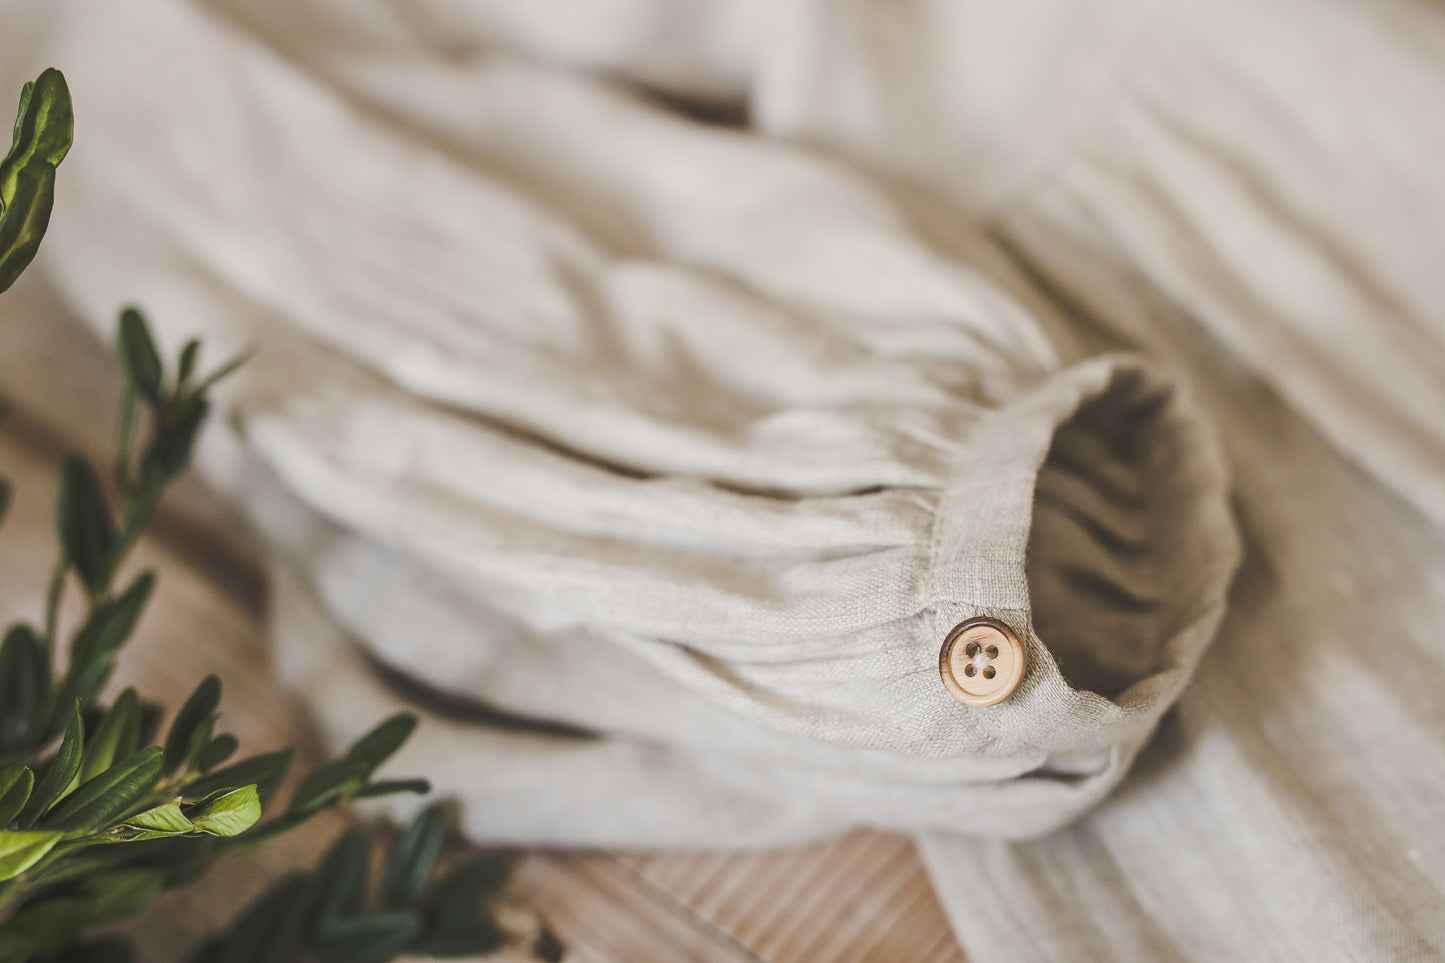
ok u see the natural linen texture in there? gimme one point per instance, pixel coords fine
(715, 497)
(689, 444)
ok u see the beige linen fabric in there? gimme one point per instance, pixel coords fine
(692, 443)
(762, 463)
(1243, 184)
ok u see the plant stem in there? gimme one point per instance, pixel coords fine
(125, 432)
(135, 514)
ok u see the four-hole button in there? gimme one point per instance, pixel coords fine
(982, 662)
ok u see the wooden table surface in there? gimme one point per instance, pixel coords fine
(864, 897)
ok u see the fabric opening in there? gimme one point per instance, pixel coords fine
(1099, 562)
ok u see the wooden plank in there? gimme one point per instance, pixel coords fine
(605, 915)
(863, 897)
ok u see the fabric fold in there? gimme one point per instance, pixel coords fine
(698, 456)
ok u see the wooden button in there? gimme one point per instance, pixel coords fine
(982, 662)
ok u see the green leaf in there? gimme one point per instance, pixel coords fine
(110, 625)
(166, 819)
(337, 885)
(87, 533)
(229, 814)
(217, 751)
(25, 92)
(60, 774)
(190, 354)
(331, 782)
(193, 716)
(21, 849)
(415, 856)
(151, 716)
(383, 741)
(16, 782)
(458, 923)
(52, 923)
(198, 855)
(122, 893)
(139, 355)
(25, 688)
(224, 371)
(43, 131)
(390, 787)
(78, 859)
(372, 938)
(100, 800)
(82, 682)
(270, 930)
(23, 223)
(264, 772)
(170, 451)
(44, 127)
(184, 858)
(472, 881)
(200, 739)
(116, 737)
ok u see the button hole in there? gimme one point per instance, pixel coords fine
(970, 670)
(988, 671)
(971, 649)
(993, 652)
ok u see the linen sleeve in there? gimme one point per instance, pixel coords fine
(672, 450)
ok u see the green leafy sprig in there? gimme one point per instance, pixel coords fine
(92, 830)
(100, 813)
(95, 539)
(335, 914)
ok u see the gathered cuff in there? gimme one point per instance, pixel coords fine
(1091, 517)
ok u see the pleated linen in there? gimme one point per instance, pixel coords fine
(690, 444)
